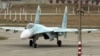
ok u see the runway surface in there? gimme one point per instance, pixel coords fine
(14, 46)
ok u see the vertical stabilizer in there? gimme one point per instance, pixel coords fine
(64, 22)
(37, 17)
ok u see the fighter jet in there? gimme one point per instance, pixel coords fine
(33, 31)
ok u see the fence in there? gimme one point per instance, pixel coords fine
(22, 15)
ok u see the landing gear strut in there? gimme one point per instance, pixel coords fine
(31, 42)
(35, 45)
(59, 42)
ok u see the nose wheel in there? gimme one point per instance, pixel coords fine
(31, 42)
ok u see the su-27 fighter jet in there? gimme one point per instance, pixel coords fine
(35, 30)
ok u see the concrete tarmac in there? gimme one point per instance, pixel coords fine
(14, 46)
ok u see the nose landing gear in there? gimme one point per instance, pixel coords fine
(31, 42)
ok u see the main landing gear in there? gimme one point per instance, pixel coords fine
(59, 42)
(31, 42)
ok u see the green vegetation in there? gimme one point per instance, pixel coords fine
(3, 38)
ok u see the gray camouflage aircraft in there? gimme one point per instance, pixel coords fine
(35, 30)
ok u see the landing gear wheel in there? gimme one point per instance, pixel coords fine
(31, 43)
(35, 45)
(59, 43)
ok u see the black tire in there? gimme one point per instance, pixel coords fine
(31, 43)
(35, 45)
(59, 43)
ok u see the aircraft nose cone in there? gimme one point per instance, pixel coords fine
(25, 34)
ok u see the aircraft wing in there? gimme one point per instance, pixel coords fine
(13, 28)
(73, 30)
(57, 29)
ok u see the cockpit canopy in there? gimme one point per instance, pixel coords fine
(30, 25)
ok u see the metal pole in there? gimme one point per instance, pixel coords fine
(15, 17)
(98, 10)
(31, 17)
(80, 34)
(25, 16)
(10, 16)
(20, 16)
(5, 15)
(73, 10)
(88, 9)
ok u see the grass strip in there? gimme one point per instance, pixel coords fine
(3, 38)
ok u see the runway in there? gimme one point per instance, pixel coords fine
(14, 46)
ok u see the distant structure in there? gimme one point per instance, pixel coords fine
(92, 2)
(95, 2)
(16, 1)
(3, 5)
